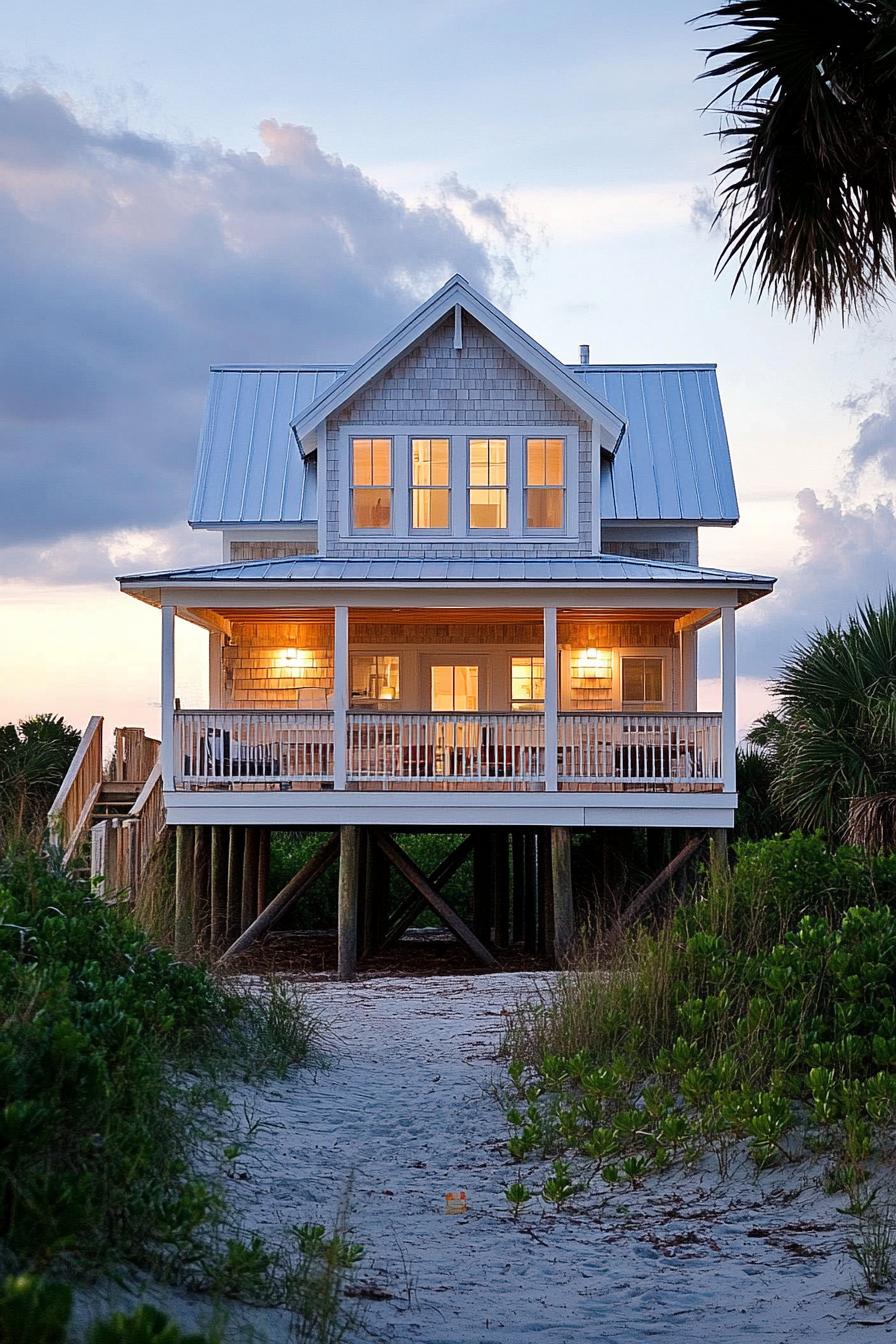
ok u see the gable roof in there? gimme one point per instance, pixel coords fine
(609, 570)
(459, 293)
(673, 464)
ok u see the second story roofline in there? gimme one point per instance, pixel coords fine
(460, 297)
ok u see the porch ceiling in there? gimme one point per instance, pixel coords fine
(448, 615)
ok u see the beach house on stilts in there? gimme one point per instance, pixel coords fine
(460, 590)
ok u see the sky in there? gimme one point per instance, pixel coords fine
(183, 185)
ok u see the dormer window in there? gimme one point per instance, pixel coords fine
(544, 484)
(440, 484)
(488, 484)
(371, 485)
(430, 484)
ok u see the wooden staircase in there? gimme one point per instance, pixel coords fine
(106, 820)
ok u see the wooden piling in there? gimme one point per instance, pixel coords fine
(483, 884)
(201, 877)
(218, 886)
(263, 868)
(517, 887)
(501, 850)
(249, 885)
(719, 861)
(234, 882)
(347, 924)
(561, 883)
(183, 890)
(532, 899)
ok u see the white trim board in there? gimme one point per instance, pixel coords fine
(714, 811)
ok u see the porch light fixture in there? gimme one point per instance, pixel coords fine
(297, 657)
(596, 662)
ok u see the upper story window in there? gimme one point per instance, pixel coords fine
(642, 682)
(544, 483)
(371, 484)
(431, 484)
(488, 484)
(440, 484)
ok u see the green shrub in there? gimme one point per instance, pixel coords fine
(107, 1076)
(764, 1011)
(34, 1310)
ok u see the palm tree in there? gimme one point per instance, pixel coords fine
(833, 743)
(808, 186)
(34, 756)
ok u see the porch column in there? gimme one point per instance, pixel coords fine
(340, 695)
(167, 697)
(551, 699)
(729, 702)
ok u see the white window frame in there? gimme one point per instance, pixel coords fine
(378, 652)
(349, 459)
(446, 489)
(459, 435)
(535, 532)
(665, 656)
(533, 706)
(469, 487)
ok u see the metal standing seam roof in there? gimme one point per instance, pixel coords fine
(674, 462)
(672, 465)
(249, 469)
(574, 569)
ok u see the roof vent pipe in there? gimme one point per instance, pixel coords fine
(584, 354)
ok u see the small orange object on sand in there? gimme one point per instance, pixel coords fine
(456, 1201)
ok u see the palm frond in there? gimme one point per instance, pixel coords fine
(808, 187)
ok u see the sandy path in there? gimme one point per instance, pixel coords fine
(401, 1116)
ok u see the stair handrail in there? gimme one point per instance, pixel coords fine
(145, 793)
(72, 808)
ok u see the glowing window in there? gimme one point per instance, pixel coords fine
(488, 484)
(527, 682)
(430, 484)
(375, 676)
(544, 483)
(454, 687)
(371, 484)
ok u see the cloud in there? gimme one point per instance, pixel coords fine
(493, 211)
(98, 557)
(847, 553)
(129, 264)
(875, 441)
(703, 210)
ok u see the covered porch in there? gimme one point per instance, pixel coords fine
(504, 699)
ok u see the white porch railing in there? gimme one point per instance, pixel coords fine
(220, 748)
(443, 748)
(254, 747)
(640, 748)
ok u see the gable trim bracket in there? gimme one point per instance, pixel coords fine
(455, 297)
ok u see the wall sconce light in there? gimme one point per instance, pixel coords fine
(595, 662)
(297, 657)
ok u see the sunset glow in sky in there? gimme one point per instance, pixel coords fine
(190, 184)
